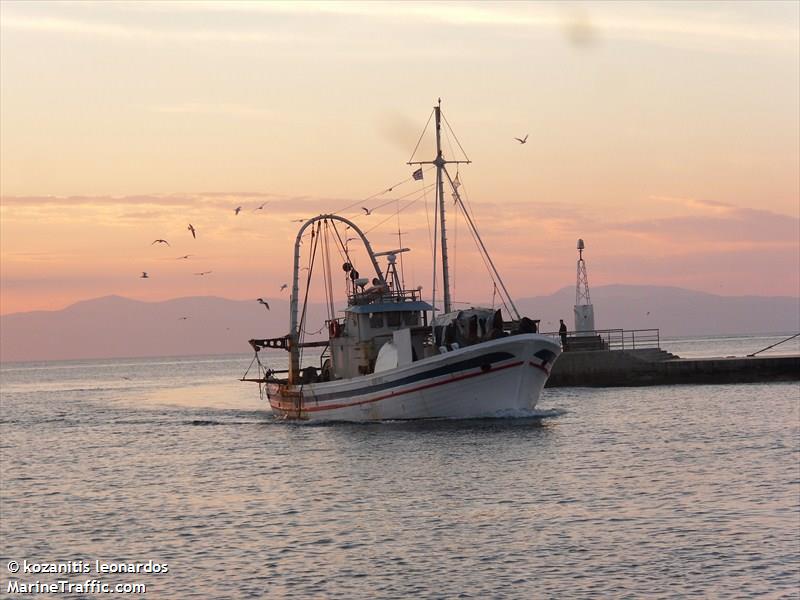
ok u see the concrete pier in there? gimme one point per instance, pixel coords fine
(617, 368)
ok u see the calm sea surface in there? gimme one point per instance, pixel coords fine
(670, 491)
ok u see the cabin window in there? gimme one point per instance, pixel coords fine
(410, 318)
(376, 320)
(393, 319)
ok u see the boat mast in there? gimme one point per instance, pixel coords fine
(440, 162)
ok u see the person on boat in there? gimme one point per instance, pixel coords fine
(562, 332)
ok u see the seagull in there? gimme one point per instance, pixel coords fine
(260, 207)
(366, 210)
(159, 242)
(237, 210)
(184, 256)
(298, 220)
(144, 275)
(262, 301)
(182, 318)
(203, 273)
(191, 228)
(523, 140)
(284, 286)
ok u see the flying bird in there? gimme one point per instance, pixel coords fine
(262, 301)
(260, 207)
(203, 273)
(159, 242)
(298, 220)
(284, 286)
(523, 140)
(144, 275)
(366, 210)
(182, 318)
(237, 210)
(185, 256)
(191, 228)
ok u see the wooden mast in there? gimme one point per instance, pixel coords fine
(440, 162)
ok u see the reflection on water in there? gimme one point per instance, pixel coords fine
(668, 491)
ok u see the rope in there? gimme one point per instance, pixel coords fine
(773, 345)
(314, 332)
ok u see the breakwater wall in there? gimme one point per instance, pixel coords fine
(617, 368)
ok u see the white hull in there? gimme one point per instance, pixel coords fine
(505, 375)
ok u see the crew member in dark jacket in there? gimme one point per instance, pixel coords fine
(562, 331)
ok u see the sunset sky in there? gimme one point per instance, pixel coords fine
(666, 135)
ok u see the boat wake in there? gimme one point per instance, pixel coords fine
(506, 416)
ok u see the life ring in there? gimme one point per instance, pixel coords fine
(334, 329)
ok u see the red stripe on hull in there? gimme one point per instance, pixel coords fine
(541, 368)
(408, 391)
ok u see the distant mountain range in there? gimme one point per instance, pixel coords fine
(113, 326)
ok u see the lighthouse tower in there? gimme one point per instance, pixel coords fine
(584, 311)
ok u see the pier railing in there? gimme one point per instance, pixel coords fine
(611, 339)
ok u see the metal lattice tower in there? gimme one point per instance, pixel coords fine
(582, 286)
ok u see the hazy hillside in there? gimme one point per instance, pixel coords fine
(114, 327)
(675, 311)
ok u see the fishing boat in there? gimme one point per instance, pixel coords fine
(391, 355)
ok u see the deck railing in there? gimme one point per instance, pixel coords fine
(611, 339)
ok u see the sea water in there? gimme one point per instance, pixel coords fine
(664, 491)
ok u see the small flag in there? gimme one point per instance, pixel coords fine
(417, 174)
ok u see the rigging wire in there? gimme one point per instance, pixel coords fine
(392, 215)
(400, 244)
(326, 264)
(390, 200)
(375, 195)
(421, 135)
(312, 255)
(455, 252)
(428, 219)
(435, 232)
(482, 248)
(454, 136)
(454, 271)
(346, 257)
